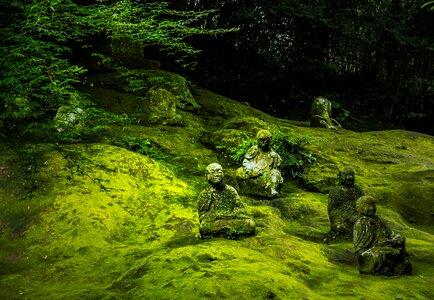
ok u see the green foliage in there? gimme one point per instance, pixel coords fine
(38, 76)
(339, 112)
(139, 145)
(429, 5)
(350, 47)
(293, 152)
(236, 154)
(291, 149)
(146, 147)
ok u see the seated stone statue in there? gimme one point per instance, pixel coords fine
(342, 205)
(221, 212)
(379, 251)
(260, 174)
(320, 114)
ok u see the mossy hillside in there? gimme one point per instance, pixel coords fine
(134, 235)
(394, 166)
(125, 226)
(84, 216)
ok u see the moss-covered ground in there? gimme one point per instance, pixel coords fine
(97, 221)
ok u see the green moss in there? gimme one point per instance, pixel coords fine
(101, 222)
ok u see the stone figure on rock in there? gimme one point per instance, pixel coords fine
(221, 212)
(69, 119)
(162, 107)
(379, 251)
(342, 205)
(260, 172)
(320, 114)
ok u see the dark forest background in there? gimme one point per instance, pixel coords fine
(373, 59)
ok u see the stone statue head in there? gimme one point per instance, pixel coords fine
(366, 206)
(214, 174)
(346, 177)
(264, 139)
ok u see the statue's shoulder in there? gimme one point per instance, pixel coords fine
(205, 192)
(231, 189)
(361, 221)
(359, 190)
(252, 152)
(335, 190)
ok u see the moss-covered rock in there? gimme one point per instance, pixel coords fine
(128, 93)
(172, 82)
(233, 132)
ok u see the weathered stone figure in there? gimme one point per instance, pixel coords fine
(221, 212)
(260, 174)
(342, 204)
(320, 114)
(379, 251)
(162, 107)
(69, 118)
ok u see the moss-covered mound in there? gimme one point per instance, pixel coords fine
(97, 221)
(395, 166)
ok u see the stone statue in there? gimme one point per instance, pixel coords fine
(260, 174)
(379, 251)
(221, 212)
(69, 119)
(320, 114)
(342, 204)
(162, 107)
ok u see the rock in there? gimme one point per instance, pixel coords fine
(139, 82)
(172, 82)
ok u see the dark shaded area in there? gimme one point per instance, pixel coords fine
(374, 61)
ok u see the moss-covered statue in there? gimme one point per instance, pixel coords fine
(320, 114)
(342, 205)
(221, 212)
(260, 173)
(379, 251)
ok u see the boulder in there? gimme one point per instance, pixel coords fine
(138, 83)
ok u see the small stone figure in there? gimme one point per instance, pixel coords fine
(342, 204)
(379, 251)
(221, 212)
(162, 107)
(260, 174)
(69, 119)
(320, 114)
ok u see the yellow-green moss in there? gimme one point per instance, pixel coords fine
(100, 222)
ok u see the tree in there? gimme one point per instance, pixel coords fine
(38, 38)
(374, 57)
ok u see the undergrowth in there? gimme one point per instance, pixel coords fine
(291, 149)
